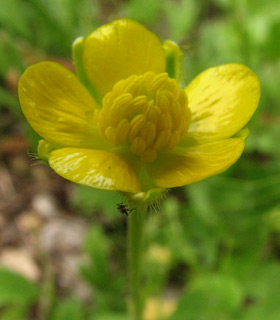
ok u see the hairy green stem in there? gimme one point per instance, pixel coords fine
(135, 243)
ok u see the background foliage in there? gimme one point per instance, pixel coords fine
(213, 248)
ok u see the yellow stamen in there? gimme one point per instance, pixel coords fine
(148, 133)
(149, 155)
(136, 125)
(162, 139)
(138, 146)
(110, 134)
(144, 114)
(123, 130)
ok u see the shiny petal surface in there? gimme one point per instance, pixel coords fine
(119, 49)
(57, 105)
(222, 100)
(94, 168)
(195, 163)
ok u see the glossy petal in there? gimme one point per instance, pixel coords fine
(195, 163)
(222, 100)
(119, 49)
(57, 105)
(94, 168)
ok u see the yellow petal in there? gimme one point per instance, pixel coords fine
(222, 100)
(195, 163)
(119, 49)
(57, 105)
(94, 168)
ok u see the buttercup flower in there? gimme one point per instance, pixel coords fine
(125, 123)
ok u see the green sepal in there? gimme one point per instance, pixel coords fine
(174, 60)
(243, 134)
(150, 198)
(44, 149)
(77, 52)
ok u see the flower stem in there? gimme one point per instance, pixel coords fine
(135, 242)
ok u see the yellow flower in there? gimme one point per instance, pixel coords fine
(125, 124)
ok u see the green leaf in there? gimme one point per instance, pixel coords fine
(144, 10)
(220, 42)
(110, 316)
(12, 16)
(106, 283)
(181, 17)
(264, 293)
(10, 102)
(70, 309)
(15, 289)
(10, 55)
(87, 199)
(211, 297)
(14, 313)
(97, 247)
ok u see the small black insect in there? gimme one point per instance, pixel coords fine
(122, 208)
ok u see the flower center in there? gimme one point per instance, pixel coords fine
(147, 113)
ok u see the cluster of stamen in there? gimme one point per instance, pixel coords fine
(146, 113)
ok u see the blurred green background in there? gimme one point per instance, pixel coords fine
(212, 249)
